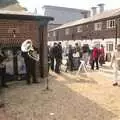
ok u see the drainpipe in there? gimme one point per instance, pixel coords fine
(116, 29)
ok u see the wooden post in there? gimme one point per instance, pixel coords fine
(15, 63)
(43, 50)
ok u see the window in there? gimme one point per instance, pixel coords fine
(85, 15)
(87, 26)
(79, 29)
(54, 33)
(48, 34)
(67, 30)
(111, 23)
(109, 46)
(97, 44)
(98, 26)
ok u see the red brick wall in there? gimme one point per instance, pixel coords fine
(23, 30)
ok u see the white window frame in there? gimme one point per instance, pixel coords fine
(98, 26)
(111, 23)
(108, 46)
(48, 34)
(67, 31)
(79, 29)
(54, 33)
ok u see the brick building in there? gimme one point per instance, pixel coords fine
(102, 28)
(16, 27)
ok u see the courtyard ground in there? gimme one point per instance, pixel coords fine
(70, 97)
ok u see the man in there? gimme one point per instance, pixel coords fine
(57, 56)
(70, 59)
(60, 52)
(116, 59)
(102, 55)
(30, 68)
(2, 78)
(78, 49)
(3, 69)
(51, 54)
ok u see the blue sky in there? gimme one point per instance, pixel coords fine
(81, 4)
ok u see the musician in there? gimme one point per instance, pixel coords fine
(30, 68)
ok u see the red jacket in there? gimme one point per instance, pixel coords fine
(95, 53)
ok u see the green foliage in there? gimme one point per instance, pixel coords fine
(7, 2)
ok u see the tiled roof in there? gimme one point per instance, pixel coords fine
(96, 17)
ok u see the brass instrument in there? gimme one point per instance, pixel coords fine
(27, 46)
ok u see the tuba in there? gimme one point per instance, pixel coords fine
(27, 46)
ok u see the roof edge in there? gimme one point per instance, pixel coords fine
(25, 17)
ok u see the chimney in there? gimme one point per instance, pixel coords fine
(94, 11)
(35, 11)
(101, 7)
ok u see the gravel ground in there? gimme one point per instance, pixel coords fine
(70, 98)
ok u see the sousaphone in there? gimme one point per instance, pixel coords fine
(27, 46)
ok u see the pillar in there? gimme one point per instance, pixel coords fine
(43, 49)
(15, 63)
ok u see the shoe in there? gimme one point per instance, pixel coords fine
(5, 86)
(2, 105)
(35, 82)
(28, 83)
(115, 84)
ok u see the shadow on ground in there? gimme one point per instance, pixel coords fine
(30, 102)
(82, 78)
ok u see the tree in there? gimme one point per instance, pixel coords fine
(4, 3)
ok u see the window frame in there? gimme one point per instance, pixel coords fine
(54, 33)
(98, 26)
(111, 23)
(108, 47)
(79, 29)
(67, 31)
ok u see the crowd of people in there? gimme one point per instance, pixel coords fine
(57, 53)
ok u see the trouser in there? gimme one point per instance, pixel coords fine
(52, 64)
(93, 62)
(2, 95)
(116, 71)
(2, 76)
(57, 66)
(31, 75)
(31, 72)
(70, 64)
(101, 60)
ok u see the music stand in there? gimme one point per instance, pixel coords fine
(82, 65)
